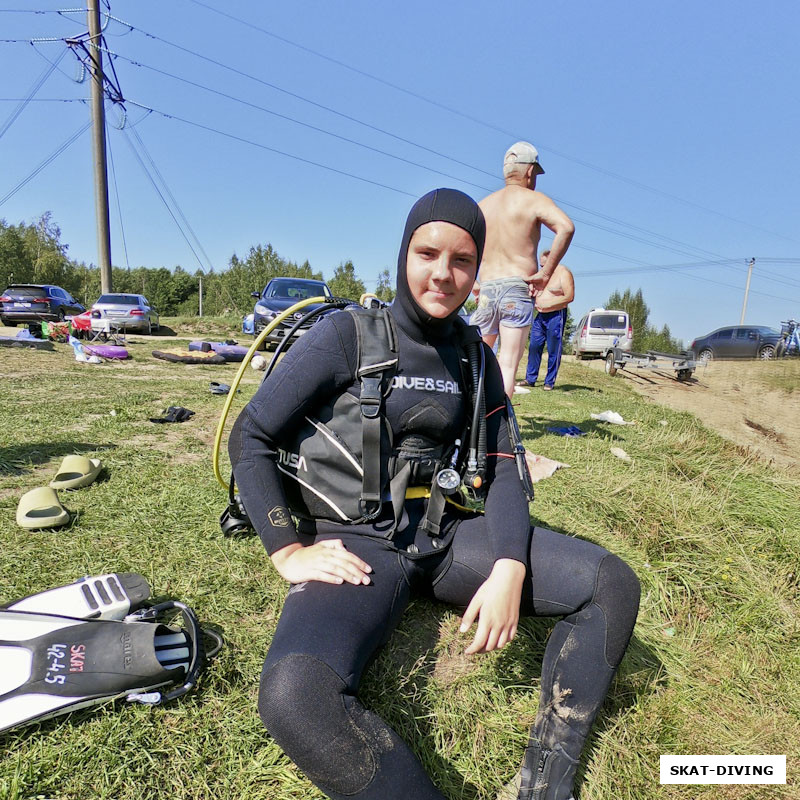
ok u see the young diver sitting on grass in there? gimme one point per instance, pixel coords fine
(353, 579)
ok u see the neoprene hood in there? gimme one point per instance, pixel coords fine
(440, 205)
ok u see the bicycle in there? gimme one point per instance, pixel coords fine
(790, 341)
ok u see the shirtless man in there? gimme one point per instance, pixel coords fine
(551, 303)
(509, 278)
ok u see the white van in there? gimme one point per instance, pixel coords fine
(601, 329)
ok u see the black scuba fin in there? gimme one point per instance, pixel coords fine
(54, 664)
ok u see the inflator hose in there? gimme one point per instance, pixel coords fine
(243, 366)
(336, 302)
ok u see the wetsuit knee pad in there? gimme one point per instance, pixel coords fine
(617, 593)
(327, 733)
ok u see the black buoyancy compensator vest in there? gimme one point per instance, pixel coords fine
(336, 468)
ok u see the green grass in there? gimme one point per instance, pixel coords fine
(714, 535)
(783, 374)
(226, 326)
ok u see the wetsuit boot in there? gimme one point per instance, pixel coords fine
(544, 775)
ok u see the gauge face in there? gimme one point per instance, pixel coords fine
(448, 479)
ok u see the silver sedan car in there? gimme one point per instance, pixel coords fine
(127, 312)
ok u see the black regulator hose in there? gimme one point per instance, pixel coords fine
(476, 459)
(234, 520)
(335, 303)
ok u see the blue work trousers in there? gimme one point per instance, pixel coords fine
(547, 327)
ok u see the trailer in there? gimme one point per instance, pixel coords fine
(683, 363)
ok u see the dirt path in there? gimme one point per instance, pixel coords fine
(755, 404)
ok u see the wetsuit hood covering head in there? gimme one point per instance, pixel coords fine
(440, 205)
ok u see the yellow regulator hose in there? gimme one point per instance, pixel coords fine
(243, 366)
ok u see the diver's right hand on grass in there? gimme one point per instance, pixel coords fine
(327, 561)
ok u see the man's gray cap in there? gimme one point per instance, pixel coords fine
(523, 153)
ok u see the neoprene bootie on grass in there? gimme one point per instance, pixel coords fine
(544, 775)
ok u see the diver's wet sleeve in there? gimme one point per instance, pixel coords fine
(506, 507)
(319, 365)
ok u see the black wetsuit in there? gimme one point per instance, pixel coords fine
(327, 633)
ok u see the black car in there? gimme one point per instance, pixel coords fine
(737, 341)
(280, 294)
(30, 302)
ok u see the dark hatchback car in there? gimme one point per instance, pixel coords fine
(30, 302)
(278, 295)
(737, 341)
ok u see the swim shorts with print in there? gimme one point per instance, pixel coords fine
(504, 301)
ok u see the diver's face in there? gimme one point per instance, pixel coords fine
(441, 266)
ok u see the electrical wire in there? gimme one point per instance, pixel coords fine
(270, 149)
(367, 180)
(171, 196)
(483, 187)
(489, 125)
(44, 100)
(616, 221)
(35, 40)
(390, 155)
(294, 120)
(43, 56)
(37, 84)
(653, 268)
(739, 289)
(648, 268)
(634, 238)
(47, 161)
(567, 203)
(308, 101)
(770, 277)
(119, 204)
(161, 196)
(605, 273)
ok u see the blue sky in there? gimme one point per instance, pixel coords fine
(668, 132)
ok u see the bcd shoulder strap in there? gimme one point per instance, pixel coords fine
(377, 364)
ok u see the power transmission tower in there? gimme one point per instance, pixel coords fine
(99, 146)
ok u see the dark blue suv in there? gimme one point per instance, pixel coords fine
(31, 302)
(280, 294)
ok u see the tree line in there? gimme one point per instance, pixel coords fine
(34, 253)
(645, 336)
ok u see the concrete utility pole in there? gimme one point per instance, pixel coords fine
(747, 288)
(99, 147)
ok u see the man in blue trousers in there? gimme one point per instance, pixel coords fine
(548, 326)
